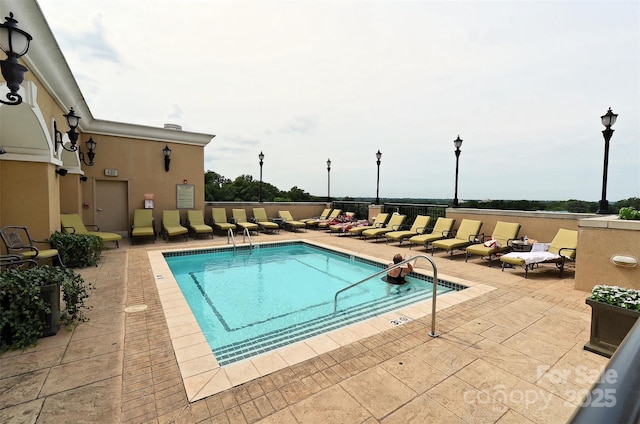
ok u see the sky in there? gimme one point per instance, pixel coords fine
(523, 83)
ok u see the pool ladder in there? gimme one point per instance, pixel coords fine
(230, 237)
(432, 333)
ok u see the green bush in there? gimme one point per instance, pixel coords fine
(629, 213)
(77, 250)
(22, 306)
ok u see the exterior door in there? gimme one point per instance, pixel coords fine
(112, 206)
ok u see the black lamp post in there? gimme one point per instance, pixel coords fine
(328, 180)
(378, 156)
(15, 43)
(261, 157)
(608, 119)
(457, 142)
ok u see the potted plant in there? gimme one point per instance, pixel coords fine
(30, 303)
(77, 250)
(614, 310)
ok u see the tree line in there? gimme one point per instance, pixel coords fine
(246, 189)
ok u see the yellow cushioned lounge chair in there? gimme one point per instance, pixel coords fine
(394, 224)
(561, 249)
(290, 223)
(240, 219)
(260, 214)
(143, 224)
(324, 223)
(441, 230)
(313, 222)
(171, 225)
(378, 222)
(466, 235)
(195, 222)
(72, 223)
(17, 240)
(419, 227)
(503, 234)
(219, 216)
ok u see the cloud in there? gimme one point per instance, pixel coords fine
(300, 125)
(92, 42)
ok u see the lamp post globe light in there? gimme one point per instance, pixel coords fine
(328, 180)
(608, 119)
(378, 156)
(261, 157)
(458, 143)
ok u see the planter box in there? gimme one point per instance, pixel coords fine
(609, 326)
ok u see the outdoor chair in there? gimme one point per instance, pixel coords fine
(195, 222)
(290, 223)
(324, 223)
(240, 219)
(467, 234)
(499, 242)
(171, 225)
(562, 249)
(313, 222)
(441, 230)
(394, 224)
(419, 227)
(72, 223)
(219, 216)
(264, 223)
(15, 262)
(17, 241)
(378, 222)
(143, 224)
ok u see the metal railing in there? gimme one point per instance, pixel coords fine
(399, 264)
(248, 234)
(411, 210)
(613, 398)
(232, 238)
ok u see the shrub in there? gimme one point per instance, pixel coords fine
(617, 296)
(22, 306)
(629, 213)
(77, 250)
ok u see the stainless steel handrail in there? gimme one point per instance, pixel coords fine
(233, 239)
(399, 264)
(246, 232)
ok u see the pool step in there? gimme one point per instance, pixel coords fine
(274, 340)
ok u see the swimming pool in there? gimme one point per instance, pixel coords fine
(251, 301)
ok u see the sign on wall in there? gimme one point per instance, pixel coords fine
(185, 196)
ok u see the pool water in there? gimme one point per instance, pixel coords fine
(251, 301)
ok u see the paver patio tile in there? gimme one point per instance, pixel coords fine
(332, 405)
(422, 409)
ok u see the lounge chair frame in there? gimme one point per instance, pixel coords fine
(18, 242)
(74, 225)
(504, 233)
(467, 234)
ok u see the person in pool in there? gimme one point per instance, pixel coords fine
(396, 275)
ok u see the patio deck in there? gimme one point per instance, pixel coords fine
(512, 354)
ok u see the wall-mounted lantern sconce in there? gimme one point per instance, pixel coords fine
(167, 157)
(61, 171)
(83, 178)
(91, 146)
(72, 122)
(15, 43)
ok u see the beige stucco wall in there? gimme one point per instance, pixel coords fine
(541, 226)
(141, 164)
(599, 239)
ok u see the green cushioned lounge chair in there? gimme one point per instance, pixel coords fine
(324, 223)
(289, 222)
(195, 222)
(171, 225)
(17, 241)
(143, 224)
(466, 235)
(394, 224)
(72, 223)
(219, 216)
(265, 224)
(378, 222)
(313, 222)
(441, 230)
(419, 227)
(240, 219)
(503, 234)
(561, 249)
